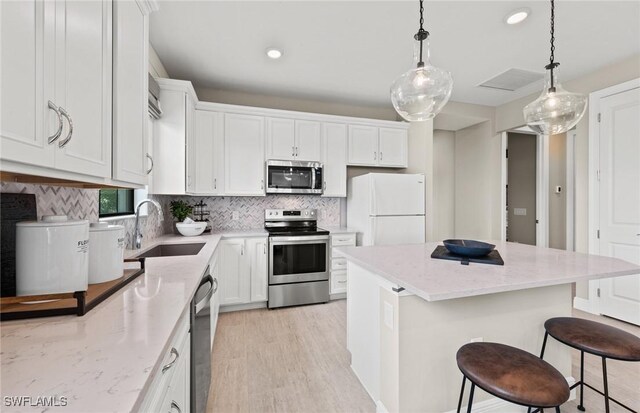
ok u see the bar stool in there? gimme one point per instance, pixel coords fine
(597, 339)
(511, 374)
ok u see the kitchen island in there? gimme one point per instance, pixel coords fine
(408, 314)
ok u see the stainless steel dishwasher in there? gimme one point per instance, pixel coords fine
(201, 342)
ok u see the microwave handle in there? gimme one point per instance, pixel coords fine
(313, 178)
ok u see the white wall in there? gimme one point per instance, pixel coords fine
(443, 184)
(510, 115)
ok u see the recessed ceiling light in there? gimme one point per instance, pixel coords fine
(517, 16)
(274, 53)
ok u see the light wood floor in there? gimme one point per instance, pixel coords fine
(295, 360)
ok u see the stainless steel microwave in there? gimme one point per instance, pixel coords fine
(294, 177)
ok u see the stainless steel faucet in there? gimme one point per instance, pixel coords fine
(137, 234)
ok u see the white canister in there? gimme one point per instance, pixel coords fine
(52, 255)
(106, 252)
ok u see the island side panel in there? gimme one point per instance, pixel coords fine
(427, 336)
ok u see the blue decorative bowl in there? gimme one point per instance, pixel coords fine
(468, 248)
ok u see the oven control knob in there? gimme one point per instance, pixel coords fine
(306, 212)
(313, 213)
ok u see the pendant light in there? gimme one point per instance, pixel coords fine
(421, 93)
(556, 110)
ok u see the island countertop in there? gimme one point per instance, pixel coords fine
(526, 266)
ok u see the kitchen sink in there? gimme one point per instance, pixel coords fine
(172, 250)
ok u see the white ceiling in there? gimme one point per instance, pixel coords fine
(351, 51)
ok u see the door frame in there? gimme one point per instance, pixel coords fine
(592, 302)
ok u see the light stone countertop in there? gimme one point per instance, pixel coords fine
(411, 267)
(104, 361)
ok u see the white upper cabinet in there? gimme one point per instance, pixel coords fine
(393, 147)
(26, 56)
(295, 140)
(207, 153)
(171, 133)
(378, 146)
(363, 145)
(131, 161)
(334, 158)
(244, 154)
(281, 139)
(83, 86)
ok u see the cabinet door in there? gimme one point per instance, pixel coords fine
(244, 154)
(179, 395)
(84, 85)
(280, 139)
(234, 273)
(130, 113)
(257, 248)
(190, 132)
(334, 158)
(169, 145)
(363, 145)
(393, 147)
(208, 128)
(26, 56)
(307, 140)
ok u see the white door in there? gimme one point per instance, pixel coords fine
(397, 194)
(307, 140)
(257, 249)
(392, 147)
(130, 113)
(234, 273)
(280, 139)
(84, 85)
(244, 154)
(363, 145)
(334, 158)
(396, 230)
(208, 126)
(620, 200)
(26, 56)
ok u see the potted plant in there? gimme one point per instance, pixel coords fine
(180, 211)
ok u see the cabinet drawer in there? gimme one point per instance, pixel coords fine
(338, 264)
(343, 240)
(338, 282)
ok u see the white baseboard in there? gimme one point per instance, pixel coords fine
(583, 304)
(338, 296)
(240, 307)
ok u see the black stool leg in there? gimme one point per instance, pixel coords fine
(473, 387)
(557, 409)
(464, 379)
(544, 344)
(581, 405)
(606, 386)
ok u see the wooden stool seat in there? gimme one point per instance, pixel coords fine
(594, 338)
(513, 374)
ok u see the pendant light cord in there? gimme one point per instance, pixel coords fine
(422, 34)
(552, 63)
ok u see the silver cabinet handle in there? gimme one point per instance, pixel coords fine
(56, 135)
(215, 285)
(264, 249)
(151, 159)
(262, 184)
(296, 151)
(342, 282)
(215, 183)
(293, 151)
(242, 249)
(66, 140)
(175, 406)
(172, 362)
(324, 188)
(380, 155)
(375, 156)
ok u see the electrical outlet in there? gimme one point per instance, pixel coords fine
(476, 340)
(235, 215)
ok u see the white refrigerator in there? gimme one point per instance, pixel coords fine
(387, 209)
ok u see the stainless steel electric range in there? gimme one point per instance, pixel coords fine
(298, 258)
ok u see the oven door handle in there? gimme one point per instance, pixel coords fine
(202, 303)
(301, 239)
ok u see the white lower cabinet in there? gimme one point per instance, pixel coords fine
(243, 270)
(339, 263)
(170, 387)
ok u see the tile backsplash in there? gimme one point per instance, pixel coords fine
(251, 209)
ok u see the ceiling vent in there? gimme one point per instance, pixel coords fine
(512, 79)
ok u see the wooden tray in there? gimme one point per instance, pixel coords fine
(78, 303)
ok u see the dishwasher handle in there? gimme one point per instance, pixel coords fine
(205, 300)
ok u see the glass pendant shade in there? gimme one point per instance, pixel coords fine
(556, 110)
(420, 93)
